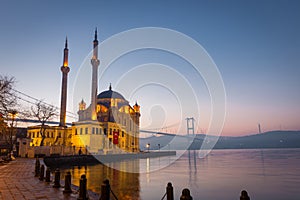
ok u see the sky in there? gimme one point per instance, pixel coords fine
(255, 46)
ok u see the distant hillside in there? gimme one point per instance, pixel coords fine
(272, 139)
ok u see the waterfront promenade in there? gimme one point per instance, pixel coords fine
(18, 182)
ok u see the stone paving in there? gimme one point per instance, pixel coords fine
(17, 181)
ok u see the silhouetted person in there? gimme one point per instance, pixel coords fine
(79, 152)
(244, 195)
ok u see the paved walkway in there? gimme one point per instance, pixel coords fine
(17, 182)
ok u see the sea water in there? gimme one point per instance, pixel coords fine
(222, 174)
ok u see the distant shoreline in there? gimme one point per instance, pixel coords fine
(267, 140)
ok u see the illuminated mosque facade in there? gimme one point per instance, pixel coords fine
(108, 124)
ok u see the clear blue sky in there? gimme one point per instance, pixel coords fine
(255, 44)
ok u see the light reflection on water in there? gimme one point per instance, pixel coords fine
(265, 174)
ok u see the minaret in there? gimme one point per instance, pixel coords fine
(65, 70)
(95, 63)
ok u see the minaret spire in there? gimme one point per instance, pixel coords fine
(66, 52)
(95, 46)
(96, 34)
(65, 70)
(95, 63)
(66, 43)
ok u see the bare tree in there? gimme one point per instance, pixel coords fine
(8, 98)
(43, 113)
(3, 130)
(8, 112)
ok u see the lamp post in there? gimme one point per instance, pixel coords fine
(12, 114)
(148, 146)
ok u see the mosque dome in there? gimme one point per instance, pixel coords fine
(110, 94)
(110, 98)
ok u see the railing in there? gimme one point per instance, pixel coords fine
(169, 192)
(106, 190)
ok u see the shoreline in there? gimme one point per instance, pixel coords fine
(73, 160)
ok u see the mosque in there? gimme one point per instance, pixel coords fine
(108, 124)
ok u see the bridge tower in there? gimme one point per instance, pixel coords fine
(190, 125)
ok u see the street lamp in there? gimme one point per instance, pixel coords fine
(148, 146)
(12, 115)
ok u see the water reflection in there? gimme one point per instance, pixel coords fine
(262, 162)
(192, 166)
(124, 185)
(264, 173)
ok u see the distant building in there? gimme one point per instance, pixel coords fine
(108, 124)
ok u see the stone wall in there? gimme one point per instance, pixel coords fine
(33, 151)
